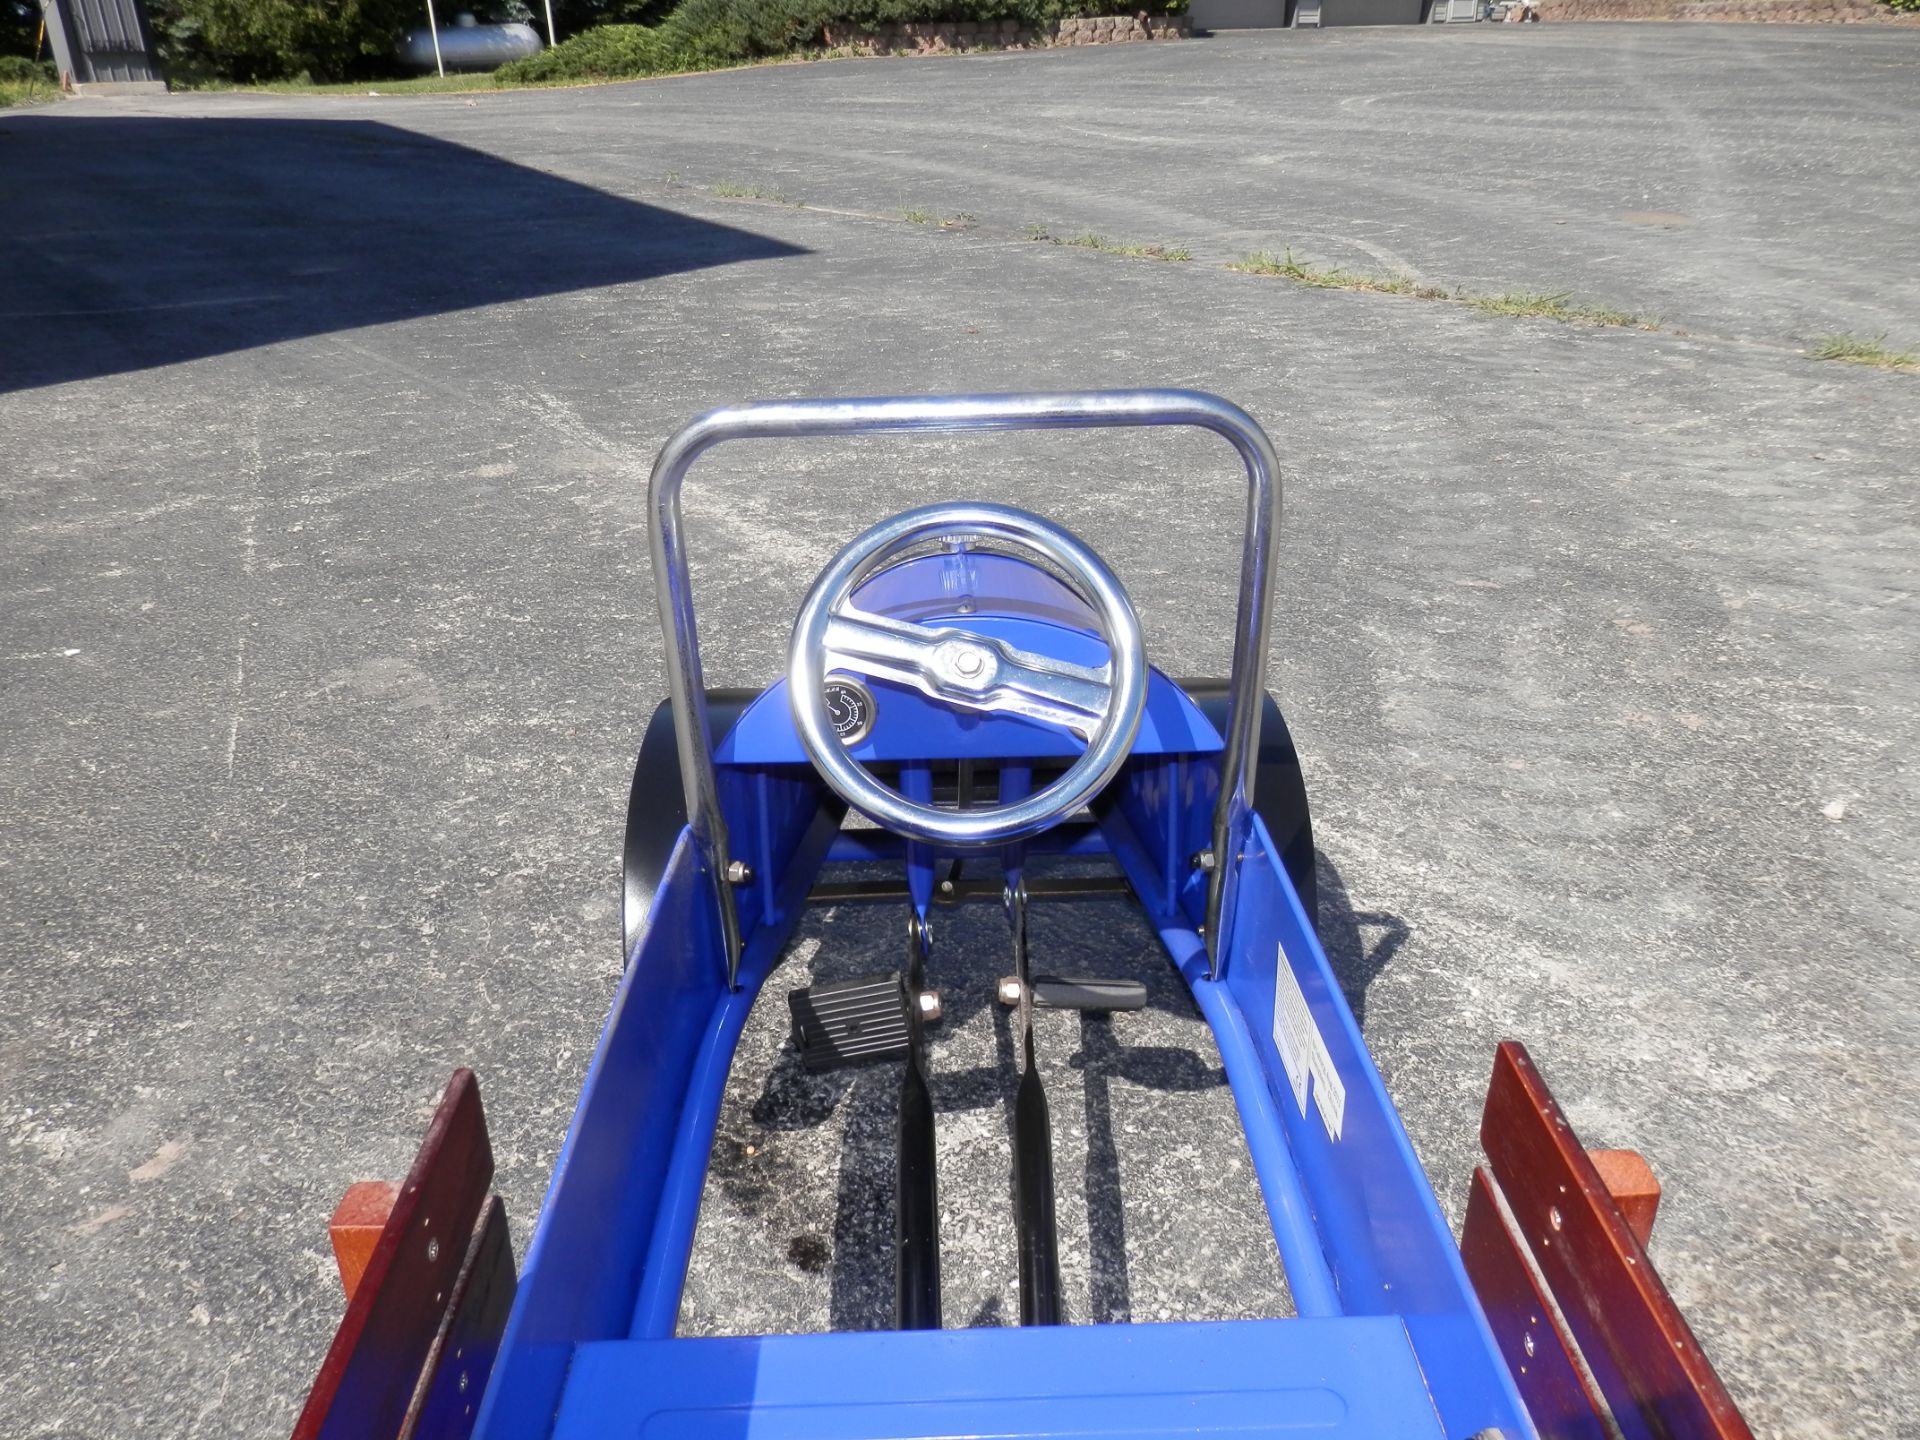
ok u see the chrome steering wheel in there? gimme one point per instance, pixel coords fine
(968, 671)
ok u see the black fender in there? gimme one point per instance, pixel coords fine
(1279, 789)
(657, 806)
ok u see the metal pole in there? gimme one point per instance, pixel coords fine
(433, 27)
(552, 40)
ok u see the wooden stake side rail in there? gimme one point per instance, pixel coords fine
(1537, 1350)
(426, 1307)
(1575, 1284)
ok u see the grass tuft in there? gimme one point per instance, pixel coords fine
(1327, 277)
(1131, 250)
(959, 220)
(1561, 307)
(411, 85)
(730, 190)
(27, 92)
(1861, 350)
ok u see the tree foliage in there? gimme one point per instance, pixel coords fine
(19, 27)
(249, 40)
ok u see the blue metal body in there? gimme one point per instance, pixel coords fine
(1389, 1342)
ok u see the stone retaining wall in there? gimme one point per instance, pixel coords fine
(1791, 12)
(929, 38)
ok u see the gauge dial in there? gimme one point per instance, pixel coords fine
(850, 706)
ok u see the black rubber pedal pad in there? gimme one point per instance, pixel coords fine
(850, 1022)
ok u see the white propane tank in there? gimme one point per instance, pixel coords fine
(468, 45)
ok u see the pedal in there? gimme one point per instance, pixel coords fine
(1052, 992)
(855, 1022)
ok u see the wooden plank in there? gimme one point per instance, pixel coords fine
(447, 1400)
(368, 1379)
(1633, 1186)
(356, 1227)
(1638, 1346)
(1537, 1351)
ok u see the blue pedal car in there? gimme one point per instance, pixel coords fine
(966, 691)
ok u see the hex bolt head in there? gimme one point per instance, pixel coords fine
(738, 872)
(1008, 990)
(930, 1006)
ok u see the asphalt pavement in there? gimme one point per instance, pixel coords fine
(327, 636)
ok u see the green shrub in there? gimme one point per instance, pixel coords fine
(604, 53)
(707, 34)
(19, 70)
(1912, 5)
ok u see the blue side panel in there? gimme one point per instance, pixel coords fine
(1388, 1245)
(583, 1264)
(627, 1183)
(1168, 802)
(1301, 1255)
(1333, 1379)
(767, 813)
(909, 726)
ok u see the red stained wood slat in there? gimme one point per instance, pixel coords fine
(447, 1400)
(1537, 1352)
(367, 1381)
(1639, 1347)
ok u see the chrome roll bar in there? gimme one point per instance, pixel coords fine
(1098, 409)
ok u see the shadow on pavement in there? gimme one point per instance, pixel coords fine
(136, 242)
(1359, 943)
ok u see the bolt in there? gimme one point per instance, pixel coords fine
(930, 1006)
(1009, 990)
(1203, 860)
(738, 872)
(433, 1250)
(969, 662)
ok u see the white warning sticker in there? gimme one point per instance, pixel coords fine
(1292, 1031)
(1304, 1053)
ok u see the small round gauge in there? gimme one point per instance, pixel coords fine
(850, 706)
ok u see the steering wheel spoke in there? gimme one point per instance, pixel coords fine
(973, 671)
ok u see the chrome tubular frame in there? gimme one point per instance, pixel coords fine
(1100, 409)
